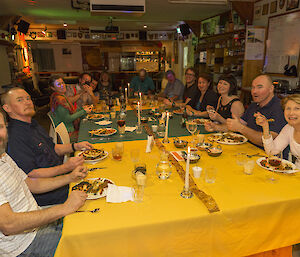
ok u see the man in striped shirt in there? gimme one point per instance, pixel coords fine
(21, 217)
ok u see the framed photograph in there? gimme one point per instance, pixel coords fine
(281, 3)
(265, 9)
(292, 4)
(66, 51)
(257, 12)
(273, 7)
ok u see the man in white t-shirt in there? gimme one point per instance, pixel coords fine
(21, 217)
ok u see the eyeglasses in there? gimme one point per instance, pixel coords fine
(189, 74)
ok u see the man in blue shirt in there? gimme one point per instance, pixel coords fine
(266, 103)
(142, 83)
(174, 89)
(33, 150)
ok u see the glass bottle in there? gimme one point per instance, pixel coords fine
(164, 168)
(161, 128)
(184, 118)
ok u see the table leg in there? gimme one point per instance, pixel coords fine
(280, 252)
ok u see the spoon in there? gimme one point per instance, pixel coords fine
(92, 211)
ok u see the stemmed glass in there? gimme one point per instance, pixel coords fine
(121, 125)
(274, 161)
(192, 128)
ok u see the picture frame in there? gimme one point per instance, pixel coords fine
(273, 7)
(265, 9)
(257, 12)
(281, 3)
(292, 4)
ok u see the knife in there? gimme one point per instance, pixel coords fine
(99, 168)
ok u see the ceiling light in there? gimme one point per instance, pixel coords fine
(145, 26)
(65, 24)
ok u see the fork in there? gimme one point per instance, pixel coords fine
(92, 211)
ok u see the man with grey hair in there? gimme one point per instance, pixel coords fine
(174, 89)
(142, 83)
(21, 217)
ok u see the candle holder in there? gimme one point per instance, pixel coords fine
(186, 193)
(166, 140)
(139, 128)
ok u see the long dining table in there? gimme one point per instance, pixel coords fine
(255, 214)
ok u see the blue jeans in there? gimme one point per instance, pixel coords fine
(45, 241)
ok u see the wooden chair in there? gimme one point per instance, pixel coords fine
(52, 132)
(63, 134)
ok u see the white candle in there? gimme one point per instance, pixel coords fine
(167, 127)
(187, 170)
(126, 94)
(140, 94)
(139, 114)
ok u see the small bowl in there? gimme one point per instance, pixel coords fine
(180, 143)
(194, 158)
(204, 146)
(144, 119)
(214, 151)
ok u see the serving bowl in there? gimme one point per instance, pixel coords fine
(204, 146)
(194, 157)
(214, 151)
(180, 143)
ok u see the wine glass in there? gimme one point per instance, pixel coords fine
(274, 161)
(192, 128)
(121, 125)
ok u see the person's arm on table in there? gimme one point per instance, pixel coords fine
(192, 112)
(17, 222)
(238, 125)
(62, 149)
(65, 115)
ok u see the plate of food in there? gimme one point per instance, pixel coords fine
(93, 155)
(102, 132)
(95, 116)
(94, 187)
(200, 121)
(178, 111)
(284, 167)
(228, 138)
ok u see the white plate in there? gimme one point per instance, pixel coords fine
(226, 142)
(98, 195)
(114, 131)
(294, 170)
(95, 116)
(95, 160)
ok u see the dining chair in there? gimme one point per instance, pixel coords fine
(63, 134)
(52, 132)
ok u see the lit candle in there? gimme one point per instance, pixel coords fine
(128, 89)
(187, 170)
(140, 94)
(126, 95)
(139, 114)
(167, 127)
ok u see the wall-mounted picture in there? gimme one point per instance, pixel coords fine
(292, 4)
(265, 9)
(66, 51)
(257, 12)
(281, 3)
(273, 7)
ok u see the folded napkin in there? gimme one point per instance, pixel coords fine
(119, 194)
(103, 122)
(130, 129)
(150, 143)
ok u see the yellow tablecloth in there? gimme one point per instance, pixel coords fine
(255, 215)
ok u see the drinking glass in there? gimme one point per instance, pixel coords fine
(274, 160)
(210, 174)
(191, 127)
(200, 139)
(121, 125)
(248, 167)
(117, 153)
(135, 155)
(241, 159)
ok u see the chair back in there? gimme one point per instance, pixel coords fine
(52, 132)
(63, 134)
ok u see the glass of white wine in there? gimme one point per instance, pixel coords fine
(192, 128)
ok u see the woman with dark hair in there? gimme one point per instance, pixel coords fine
(228, 104)
(205, 96)
(62, 110)
(104, 86)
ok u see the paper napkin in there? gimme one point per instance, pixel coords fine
(130, 129)
(103, 122)
(150, 142)
(119, 194)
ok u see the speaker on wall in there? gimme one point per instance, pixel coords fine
(142, 35)
(61, 34)
(184, 29)
(23, 26)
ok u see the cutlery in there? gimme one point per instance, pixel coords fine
(255, 155)
(92, 211)
(99, 168)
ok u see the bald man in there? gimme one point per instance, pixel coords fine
(265, 102)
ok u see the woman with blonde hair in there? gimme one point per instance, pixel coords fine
(289, 135)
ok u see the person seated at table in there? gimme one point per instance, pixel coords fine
(82, 93)
(264, 102)
(228, 104)
(289, 135)
(174, 88)
(105, 86)
(33, 150)
(62, 110)
(190, 89)
(206, 96)
(25, 229)
(142, 83)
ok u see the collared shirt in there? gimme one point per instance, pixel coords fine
(31, 148)
(15, 192)
(174, 89)
(142, 86)
(272, 110)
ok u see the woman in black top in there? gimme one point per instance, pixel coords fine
(206, 96)
(228, 104)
